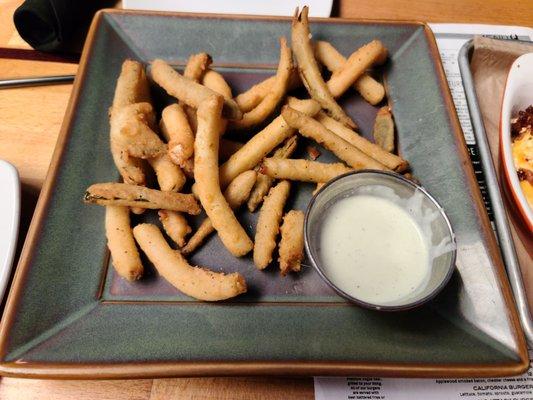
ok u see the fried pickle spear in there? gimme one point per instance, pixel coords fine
(263, 142)
(197, 282)
(197, 65)
(235, 194)
(130, 128)
(174, 126)
(195, 69)
(131, 120)
(371, 90)
(175, 226)
(191, 93)
(373, 150)
(383, 131)
(265, 182)
(313, 129)
(310, 71)
(302, 170)
(274, 96)
(252, 97)
(291, 244)
(267, 228)
(169, 176)
(359, 61)
(206, 175)
(122, 194)
(216, 82)
(132, 87)
(179, 120)
(171, 179)
(188, 168)
(124, 254)
(130, 168)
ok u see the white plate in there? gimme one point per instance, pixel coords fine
(517, 95)
(317, 8)
(9, 220)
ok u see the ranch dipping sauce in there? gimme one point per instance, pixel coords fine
(380, 240)
(373, 250)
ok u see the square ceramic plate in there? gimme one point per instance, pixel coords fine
(69, 316)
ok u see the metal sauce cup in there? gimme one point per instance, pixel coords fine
(442, 266)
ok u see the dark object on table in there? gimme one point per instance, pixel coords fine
(56, 25)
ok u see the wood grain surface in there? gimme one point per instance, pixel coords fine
(30, 120)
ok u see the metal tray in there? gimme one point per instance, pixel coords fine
(500, 216)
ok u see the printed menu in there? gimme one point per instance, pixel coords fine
(512, 388)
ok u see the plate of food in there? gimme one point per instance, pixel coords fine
(516, 136)
(9, 224)
(169, 237)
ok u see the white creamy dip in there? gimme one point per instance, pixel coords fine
(374, 250)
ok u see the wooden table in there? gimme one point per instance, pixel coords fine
(30, 119)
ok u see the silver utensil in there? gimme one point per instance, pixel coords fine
(35, 81)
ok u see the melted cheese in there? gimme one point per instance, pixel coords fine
(522, 149)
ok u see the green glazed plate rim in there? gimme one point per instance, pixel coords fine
(90, 370)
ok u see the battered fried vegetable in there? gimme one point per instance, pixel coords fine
(188, 168)
(197, 65)
(175, 127)
(267, 228)
(264, 182)
(175, 226)
(310, 71)
(229, 229)
(263, 142)
(200, 283)
(169, 176)
(216, 82)
(252, 97)
(371, 90)
(390, 160)
(291, 245)
(362, 59)
(195, 70)
(130, 129)
(132, 87)
(191, 117)
(130, 168)
(122, 194)
(235, 194)
(124, 254)
(302, 170)
(313, 129)
(191, 93)
(274, 96)
(383, 131)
